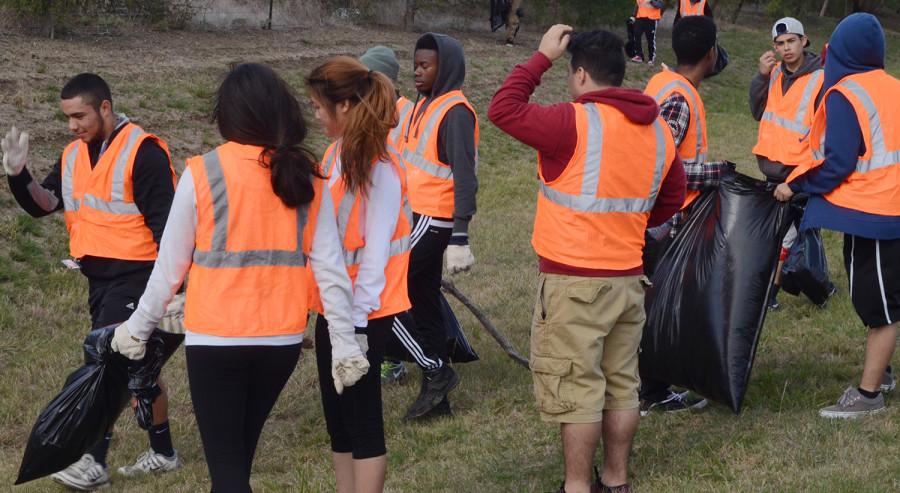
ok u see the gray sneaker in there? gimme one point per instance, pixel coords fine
(852, 404)
(887, 382)
(151, 462)
(84, 475)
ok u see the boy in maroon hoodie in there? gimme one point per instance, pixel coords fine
(608, 169)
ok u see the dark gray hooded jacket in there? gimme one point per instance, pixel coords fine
(456, 134)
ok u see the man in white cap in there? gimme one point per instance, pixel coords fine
(783, 98)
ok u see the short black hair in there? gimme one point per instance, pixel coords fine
(601, 54)
(692, 38)
(91, 87)
(426, 42)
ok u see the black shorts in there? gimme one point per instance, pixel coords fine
(873, 268)
(112, 301)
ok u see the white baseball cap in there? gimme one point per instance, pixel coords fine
(787, 25)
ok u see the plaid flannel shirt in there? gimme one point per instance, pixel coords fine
(676, 112)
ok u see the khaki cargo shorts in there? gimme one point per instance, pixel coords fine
(584, 345)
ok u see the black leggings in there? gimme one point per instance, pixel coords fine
(354, 418)
(233, 389)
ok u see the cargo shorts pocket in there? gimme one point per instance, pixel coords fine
(549, 374)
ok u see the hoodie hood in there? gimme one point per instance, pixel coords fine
(811, 63)
(451, 64)
(856, 46)
(635, 105)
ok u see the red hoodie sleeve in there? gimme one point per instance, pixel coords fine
(548, 129)
(671, 195)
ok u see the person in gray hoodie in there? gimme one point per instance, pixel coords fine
(440, 150)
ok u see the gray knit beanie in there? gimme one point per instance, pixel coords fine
(381, 59)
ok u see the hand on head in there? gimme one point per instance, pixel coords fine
(555, 40)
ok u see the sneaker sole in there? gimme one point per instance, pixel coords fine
(849, 415)
(65, 481)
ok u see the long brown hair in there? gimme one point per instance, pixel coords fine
(372, 115)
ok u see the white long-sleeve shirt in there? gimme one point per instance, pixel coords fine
(379, 211)
(175, 257)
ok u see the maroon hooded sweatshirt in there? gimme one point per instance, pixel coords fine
(551, 130)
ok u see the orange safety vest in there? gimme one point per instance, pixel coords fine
(348, 206)
(686, 8)
(595, 213)
(693, 147)
(874, 187)
(404, 110)
(784, 127)
(98, 202)
(430, 180)
(646, 10)
(248, 276)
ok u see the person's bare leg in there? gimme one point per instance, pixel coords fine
(343, 471)
(880, 344)
(619, 428)
(369, 474)
(580, 442)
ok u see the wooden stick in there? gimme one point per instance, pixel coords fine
(498, 336)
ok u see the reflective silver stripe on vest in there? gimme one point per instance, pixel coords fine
(700, 157)
(405, 110)
(589, 202)
(218, 256)
(776, 72)
(416, 158)
(797, 125)
(113, 207)
(70, 203)
(881, 156)
(118, 182)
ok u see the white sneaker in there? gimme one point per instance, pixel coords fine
(151, 462)
(84, 475)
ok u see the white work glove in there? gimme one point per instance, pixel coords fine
(459, 258)
(15, 151)
(173, 320)
(126, 344)
(348, 358)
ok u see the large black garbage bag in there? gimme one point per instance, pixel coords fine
(142, 375)
(806, 269)
(499, 13)
(458, 347)
(630, 42)
(708, 301)
(90, 402)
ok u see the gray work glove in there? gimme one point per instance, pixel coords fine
(126, 344)
(15, 151)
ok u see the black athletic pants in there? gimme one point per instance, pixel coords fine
(421, 330)
(112, 301)
(354, 419)
(646, 28)
(233, 389)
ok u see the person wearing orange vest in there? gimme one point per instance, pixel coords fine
(246, 219)
(689, 8)
(608, 169)
(854, 187)
(676, 91)
(356, 106)
(439, 145)
(114, 184)
(647, 14)
(783, 97)
(383, 59)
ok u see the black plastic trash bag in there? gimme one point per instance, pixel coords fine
(806, 269)
(721, 61)
(707, 305)
(499, 13)
(630, 42)
(458, 347)
(90, 402)
(143, 374)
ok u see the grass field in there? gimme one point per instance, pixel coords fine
(495, 442)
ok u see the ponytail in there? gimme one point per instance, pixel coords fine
(372, 115)
(293, 168)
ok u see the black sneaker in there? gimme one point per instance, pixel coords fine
(673, 403)
(773, 304)
(436, 384)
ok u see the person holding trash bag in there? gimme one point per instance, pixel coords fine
(245, 219)
(676, 91)
(357, 108)
(608, 169)
(783, 97)
(439, 146)
(854, 186)
(114, 184)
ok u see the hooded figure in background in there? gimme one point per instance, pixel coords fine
(440, 150)
(854, 187)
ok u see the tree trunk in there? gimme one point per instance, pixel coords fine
(409, 17)
(824, 8)
(737, 11)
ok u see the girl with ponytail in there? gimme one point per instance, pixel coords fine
(357, 109)
(248, 220)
